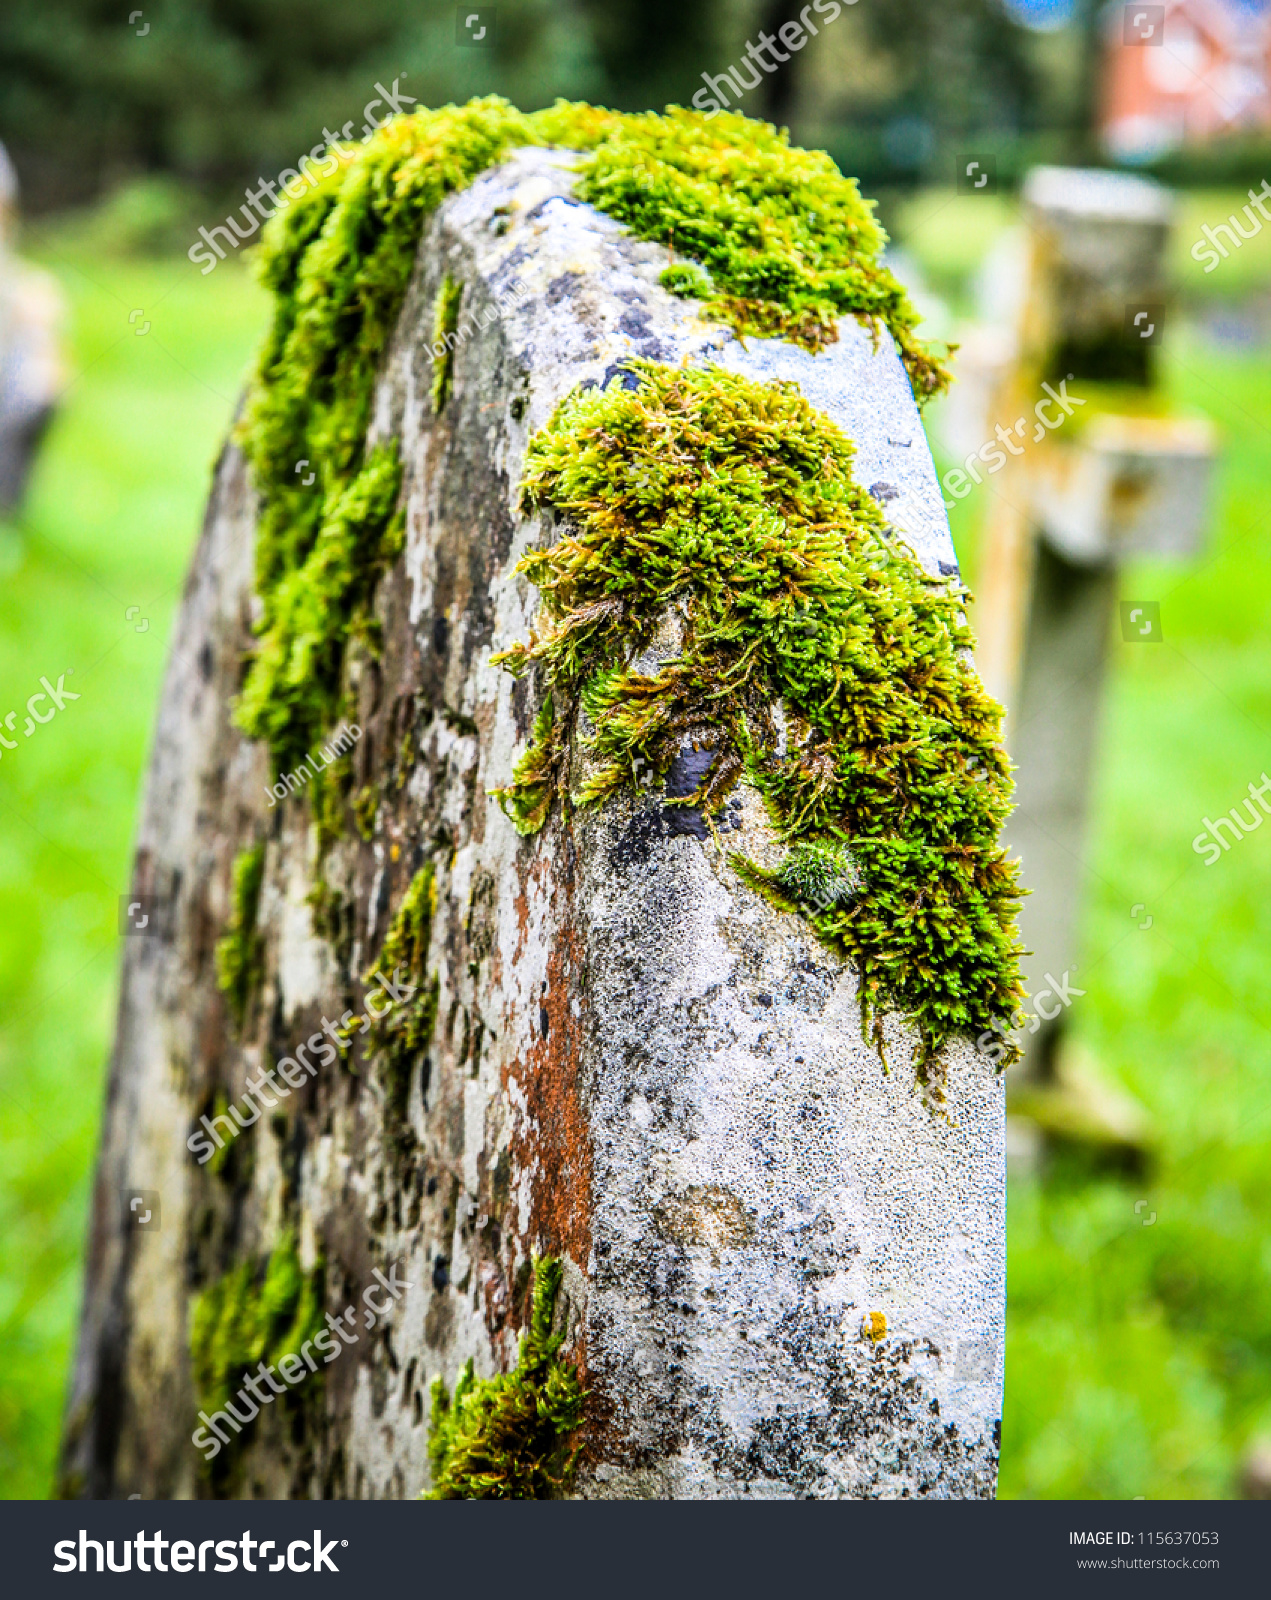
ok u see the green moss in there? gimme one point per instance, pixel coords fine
(732, 505)
(240, 951)
(785, 241)
(293, 688)
(366, 805)
(819, 876)
(258, 1311)
(506, 1437)
(528, 799)
(445, 321)
(399, 1038)
(229, 1148)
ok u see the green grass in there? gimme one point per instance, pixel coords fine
(1139, 1357)
(110, 523)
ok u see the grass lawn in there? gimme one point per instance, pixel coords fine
(1139, 1352)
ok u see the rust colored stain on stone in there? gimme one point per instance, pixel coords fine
(554, 1141)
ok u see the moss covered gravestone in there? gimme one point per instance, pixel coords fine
(574, 806)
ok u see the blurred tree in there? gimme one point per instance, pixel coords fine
(963, 65)
(221, 91)
(653, 52)
(779, 90)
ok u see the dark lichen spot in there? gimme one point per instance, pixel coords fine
(507, 1437)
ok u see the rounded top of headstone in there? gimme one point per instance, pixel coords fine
(1098, 194)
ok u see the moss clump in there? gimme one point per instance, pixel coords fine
(506, 1437)
(255, 1312)
(445, 321)
(366, 805)
(398, 1039)
(731, 505)
(240, 951)
(292, 691)
(786, 242)
(819, 876)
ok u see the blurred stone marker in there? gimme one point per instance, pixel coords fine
(31, 311)
(1081, 303)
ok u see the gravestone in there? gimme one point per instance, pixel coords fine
(1082, 301)
(780, 1244)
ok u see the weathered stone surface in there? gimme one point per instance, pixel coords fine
(784, 1270)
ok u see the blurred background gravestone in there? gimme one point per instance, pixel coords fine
(30, 366)
(1107, 473)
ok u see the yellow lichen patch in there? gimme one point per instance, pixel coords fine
(874, 1326)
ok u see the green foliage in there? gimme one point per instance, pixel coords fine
(255, 1312)
(506, 1437)
(788, 242)
(239, 952)
(734, 503)
(225, 94)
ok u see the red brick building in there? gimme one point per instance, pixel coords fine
(1184, 72)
